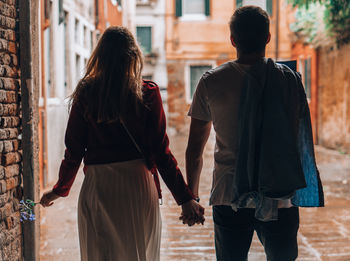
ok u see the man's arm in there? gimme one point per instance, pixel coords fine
(198, 137)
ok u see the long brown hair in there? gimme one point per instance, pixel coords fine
(112, 81)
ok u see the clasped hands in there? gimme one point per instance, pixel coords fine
(192, 213)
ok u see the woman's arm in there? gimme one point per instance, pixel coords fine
(164, 159)
(76, 142)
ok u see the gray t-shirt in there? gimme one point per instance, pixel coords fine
(217, 99)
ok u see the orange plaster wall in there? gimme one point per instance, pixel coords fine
(113, 16)
(209, 39)
(334, 98)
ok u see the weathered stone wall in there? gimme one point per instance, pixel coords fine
(177, 104)
(10, 145)
(334, 98)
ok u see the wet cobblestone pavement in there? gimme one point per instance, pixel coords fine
(324, 233)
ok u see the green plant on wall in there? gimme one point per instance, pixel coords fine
(309, 25)
(321, 22)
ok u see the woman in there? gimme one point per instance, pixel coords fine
(117, 125)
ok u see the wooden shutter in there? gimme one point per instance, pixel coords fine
(307, 77)
(61, 15)
(207, 7)
(269, 6)
(196, 73)
(144, 38)
(178, 8)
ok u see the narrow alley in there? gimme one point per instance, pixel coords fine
(325, 238)
(45, 51)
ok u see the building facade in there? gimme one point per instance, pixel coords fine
(150, 33)
(67, 39)
(129, 13)
(326, 79)
(307, 65)
(198, 39)
(69, 31)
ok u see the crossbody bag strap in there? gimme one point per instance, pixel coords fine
(132, 139)
(140, 151)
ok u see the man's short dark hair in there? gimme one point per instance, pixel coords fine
(249, 27)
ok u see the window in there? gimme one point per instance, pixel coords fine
(76, 30)
(91, 40)
(307, 77)
(47, 9)
(192, 8)
(47, 50)
(65, 50)
(304, 67)
(98, 35)
(85, 31)
(144, 38)
(77, 68)
(142, 1)
(147, 77)
(61, 15)
(264, 4)
(196, 72)
(117, 2)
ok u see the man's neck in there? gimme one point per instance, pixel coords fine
(249, 58)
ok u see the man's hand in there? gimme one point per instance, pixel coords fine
(48, 198)
(192, 213)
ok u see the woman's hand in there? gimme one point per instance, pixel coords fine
(48, 198)
(192, 213)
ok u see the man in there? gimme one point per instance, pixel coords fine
(264, 158)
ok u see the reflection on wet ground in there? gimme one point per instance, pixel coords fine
(324, 232)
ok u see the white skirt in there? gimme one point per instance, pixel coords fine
(118, 213)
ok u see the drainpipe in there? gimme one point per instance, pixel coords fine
(29, 101)
(277, 29)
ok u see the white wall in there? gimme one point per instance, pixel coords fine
(128, 17)
(68, 71)
(57, 109)
(153, 14)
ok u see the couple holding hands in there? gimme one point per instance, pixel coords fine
(117, 126)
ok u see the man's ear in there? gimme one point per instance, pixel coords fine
(268, 38)
(233, 41)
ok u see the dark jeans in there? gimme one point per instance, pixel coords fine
(234, 233)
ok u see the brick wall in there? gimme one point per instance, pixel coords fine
(10, 145)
